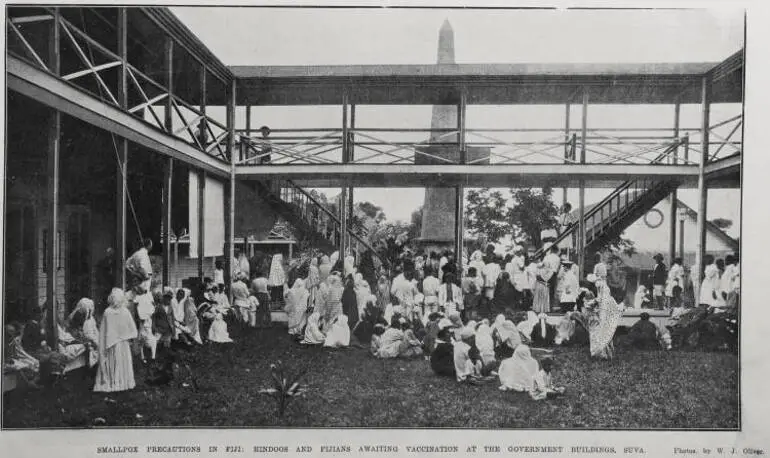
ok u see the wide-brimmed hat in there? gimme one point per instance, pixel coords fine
(565, 259)
(658, 257)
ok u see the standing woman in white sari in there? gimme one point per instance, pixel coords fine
(116, 370)
(324, 269)
(276, 279)
(296, 307)
(603, 317)
(313, 281)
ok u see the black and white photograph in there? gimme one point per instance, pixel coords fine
(452, 217)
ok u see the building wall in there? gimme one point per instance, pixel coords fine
(647, 239)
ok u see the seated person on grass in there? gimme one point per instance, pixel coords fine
(411, 346)
(467, 362)
(543, 387)
(391, 339)
(442, 357)
(543, 334)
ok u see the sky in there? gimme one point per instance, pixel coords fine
(301, 36)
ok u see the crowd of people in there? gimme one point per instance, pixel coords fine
(147, 322)
(479, 320)
(477, 323)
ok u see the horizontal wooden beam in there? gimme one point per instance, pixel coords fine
(496, 175)
(724, 173)
(63, 96)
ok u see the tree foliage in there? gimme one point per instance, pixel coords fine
(486, 214)
(722, 223)
(532, 211)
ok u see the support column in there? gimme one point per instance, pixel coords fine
(459, 226)
(462, 110)
(672, 213)
(343, 222)
(52, 242)
(202, 129)
(169, 55)
(345, 156)
(230, 192)
(567, 149)
(700, 250)
(122, 159)
(166, 224)
(349, 206)
(581, 248)
(201, 219)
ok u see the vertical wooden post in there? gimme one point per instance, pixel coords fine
(168, 124)
(345, 158)
(177, 283)
(169, 54)
(121, 171)
(248, 120)
(230, 194)
(673, 206)
(567, 148)
(202, 129)
(343, 222)
(459, 226)
(52, 261)
(462, 110)
(166, 225)
(700, 250)
(201, 219)
(581, 248)
(352, 135)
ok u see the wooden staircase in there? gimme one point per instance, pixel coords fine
(621, 208)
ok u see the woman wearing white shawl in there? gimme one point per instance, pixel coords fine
(484, 343)
(339, 334)
(241, 301)
(82, 323)
(276, 279)
(565, 329)
(191, 321)
(332, 300)
(313, 281)
(277, 275)
(477, 261)
(518, 372)
(363, 291)
(324, 269)
(116, 370)
(176, 307)
(313, 334)
(526, 326)
(218, 330)
(334, 258)
(296, 307)
(603, 318)
(349, 265)
(509, 337)
(710, 293)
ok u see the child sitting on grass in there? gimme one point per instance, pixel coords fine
(543, 387)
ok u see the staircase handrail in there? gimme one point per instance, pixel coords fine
(616, 192)
(333, 217)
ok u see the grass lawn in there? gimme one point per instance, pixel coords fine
(347, 387)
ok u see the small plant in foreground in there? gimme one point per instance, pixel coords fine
(285, 386)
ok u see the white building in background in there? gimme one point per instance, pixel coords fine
(651, 235)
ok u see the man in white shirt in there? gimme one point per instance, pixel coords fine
(553, 262)
(430, 285)
(490, 272)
